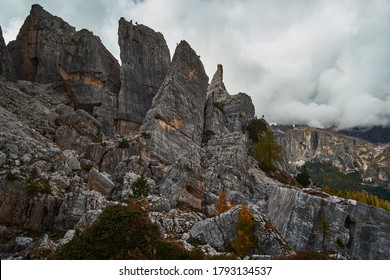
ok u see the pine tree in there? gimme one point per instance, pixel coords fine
(303, 178)
(140, 187)
(245, 232)
(267, 150)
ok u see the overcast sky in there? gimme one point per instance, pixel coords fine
(321, 62)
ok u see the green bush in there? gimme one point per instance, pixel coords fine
(124, 144)
(255, 128)
(123, 232)
(145, 135)
(140, 187)
(303, 178)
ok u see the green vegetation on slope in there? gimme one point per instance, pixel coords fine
(123, 232)
(349, 185)
(367, 198)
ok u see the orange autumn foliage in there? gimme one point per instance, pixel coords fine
(222, 204)
(245, 232)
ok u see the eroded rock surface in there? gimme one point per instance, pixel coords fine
(175, 121)
(145, 61)
(39, 46)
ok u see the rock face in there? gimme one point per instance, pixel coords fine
(89, 70)
(38, 48)
(175, 121)
(369, 232)
(306, 221)
(220, 232)
(303, 144)
(309, 222)
(145, 61)
(6, 65)
(225, 113)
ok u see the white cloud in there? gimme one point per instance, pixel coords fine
(11, 30)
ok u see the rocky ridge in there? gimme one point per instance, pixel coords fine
(305, 144)
(62, 163)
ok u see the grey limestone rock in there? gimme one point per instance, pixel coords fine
(224, 112)
(75, 205)
(100, 182)
(77, 130)
(72, 160)
(38, 48)
(307, 221)
(175, 121)
(145, 61)
(220, 233)
(369, 232)
(89, 70)
(182, 187)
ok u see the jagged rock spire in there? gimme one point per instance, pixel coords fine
(217, 81)
(145, 60)
(224, 112)
(175, 120)
(38, 48)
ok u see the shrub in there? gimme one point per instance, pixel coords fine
(303, 178)
(123, 232)
(124, 144)
(145, 135)
(340, 244)
(245, 232)
(12, 176)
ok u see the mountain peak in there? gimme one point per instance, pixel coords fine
(217, 81)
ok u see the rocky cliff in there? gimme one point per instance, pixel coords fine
(38, 49)
(225, 113)
(145, 61)
(89, 70)
(175, 120)
(69, 147)
(305, 144)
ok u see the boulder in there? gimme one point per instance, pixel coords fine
(307, 221)
(370, 232)
(220, 233)
(100, 182)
